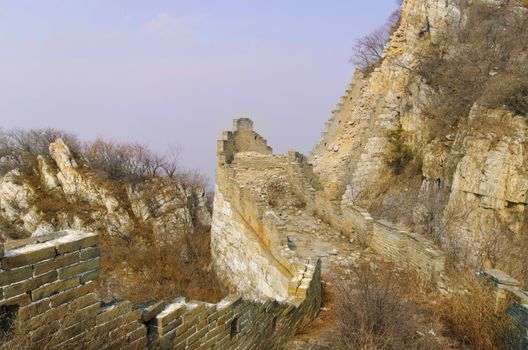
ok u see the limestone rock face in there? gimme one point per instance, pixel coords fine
(470, 187)
(62, 194)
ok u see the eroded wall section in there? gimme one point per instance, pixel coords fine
(247, 240)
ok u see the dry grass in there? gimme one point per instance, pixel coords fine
(143, 269)
(475, 317)
(384, 308)
(497, 36)
(373, 313)
(138, 265)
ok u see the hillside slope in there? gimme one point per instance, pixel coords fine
(435, 137)
(154, 229)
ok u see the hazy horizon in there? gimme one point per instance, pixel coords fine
(176, 73)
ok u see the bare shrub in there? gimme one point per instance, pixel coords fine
(19, 148)
(400, 156)
(517, 100)
(368, 50)
(157, 269)
(373, 315)
(275, 192)
(475, 318)
(130, 161)
(37, 141)
(497, 36)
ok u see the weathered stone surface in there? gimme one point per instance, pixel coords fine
(472, 183)
(53, 288)
(90, 253)
(111, 312)
(73, 294)
(169, 207)
(500, 277)
(150, 311)
(55, 263)
(80, 268)
(74, 240)
(27, 255)
(16, 275)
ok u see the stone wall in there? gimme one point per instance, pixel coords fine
(247, 241)
(241, 254)
(49, 287)
(402, 247)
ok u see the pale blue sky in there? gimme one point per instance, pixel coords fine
(176, 72)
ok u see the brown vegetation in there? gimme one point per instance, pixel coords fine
(475, 317)
(137, 265)
(374, 312)
(368, 50)
(387, 308)
(497, 36)
(20, 148)
(130, 161)
(142, 269)
(400, 156)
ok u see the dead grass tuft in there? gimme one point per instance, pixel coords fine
(475, 317)
(142, 269)
(373, 314)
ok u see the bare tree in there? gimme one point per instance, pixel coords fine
(20, 148)
(368, 50)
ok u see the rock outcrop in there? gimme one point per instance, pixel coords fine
(65, 193)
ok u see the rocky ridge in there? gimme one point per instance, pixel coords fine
(63, 193)
(467, 187)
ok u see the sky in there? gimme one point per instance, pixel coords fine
(175, 73)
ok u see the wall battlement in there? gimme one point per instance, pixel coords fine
(242, 124)
(246, 239)
(241, 139)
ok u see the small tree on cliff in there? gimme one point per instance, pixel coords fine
(368, 50)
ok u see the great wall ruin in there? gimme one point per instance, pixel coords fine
(271, 228)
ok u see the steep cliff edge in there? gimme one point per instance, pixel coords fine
(435, 137)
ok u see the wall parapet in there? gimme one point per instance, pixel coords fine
(247, 238)
(48, 283)
(48, 286)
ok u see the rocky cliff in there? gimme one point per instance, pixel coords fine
(434, 138)
(148, 225)
(63, 192)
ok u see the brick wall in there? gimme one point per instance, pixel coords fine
(49, 287)
(402, 247)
